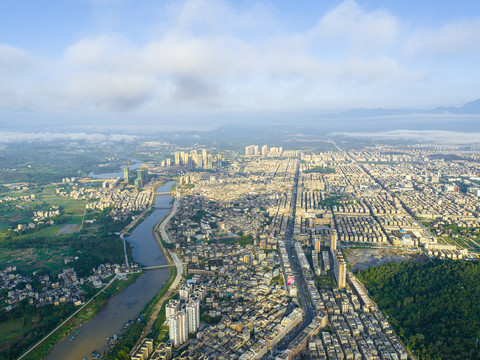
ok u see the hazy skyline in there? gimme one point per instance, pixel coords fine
(109, 61)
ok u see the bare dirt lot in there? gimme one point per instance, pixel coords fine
(361, 259)
(68, 229)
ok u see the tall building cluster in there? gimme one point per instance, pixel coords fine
(252, 150)
(183, 315)
(194, 160)
(255, 150)
(141, 179)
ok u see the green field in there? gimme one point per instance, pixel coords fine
(45, 197)
(10, 330)
(325, 281)
(31, 259)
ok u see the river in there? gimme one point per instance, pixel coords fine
(127, 304)
(117, 174)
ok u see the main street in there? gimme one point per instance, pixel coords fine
(305, 300)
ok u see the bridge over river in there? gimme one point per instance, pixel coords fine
(156, 267)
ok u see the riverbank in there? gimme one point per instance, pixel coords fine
(142, 327)
(123, 319)
(145, 213)
(84, 314)
(176, 274)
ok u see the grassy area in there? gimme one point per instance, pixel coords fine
(76, 219)
(278, 280)
(320, 170)
(325, 281)
(468, 243)
(445, 240)
(70, 205)
(48, 232)
(10, 329)
(31, 259)
(162, 335)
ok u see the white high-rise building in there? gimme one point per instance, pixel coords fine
(172, 307)
(204, 158)
(333, 239)
(178, 328)
(250, 150)
(184, 156)
(193, 315)
(185, 291)
(264, 150)
(339, 269)
(194, 156)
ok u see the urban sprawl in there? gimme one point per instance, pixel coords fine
(263, 238)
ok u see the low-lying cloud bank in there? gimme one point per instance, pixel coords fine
(12, 136)
(433, 136)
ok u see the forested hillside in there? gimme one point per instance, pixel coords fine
(434, 307)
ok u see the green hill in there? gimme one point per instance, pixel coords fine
(434, 307)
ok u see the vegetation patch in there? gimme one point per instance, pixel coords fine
(320, 170)
(433, 306)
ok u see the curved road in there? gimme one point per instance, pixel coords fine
(164, 234)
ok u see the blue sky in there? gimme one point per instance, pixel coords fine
(108, 59)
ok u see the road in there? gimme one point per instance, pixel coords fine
(307, 305)
(170, 255)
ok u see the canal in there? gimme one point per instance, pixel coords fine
(126, 305)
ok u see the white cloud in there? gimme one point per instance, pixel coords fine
(17, 66)
(110, 91)
(450, 40)
(12, 136)
(209, 54)
(361, 31)
(14, 61)
(204, 59)
(95, 52)
(372, 69)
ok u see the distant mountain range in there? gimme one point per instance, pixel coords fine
(470, 108)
